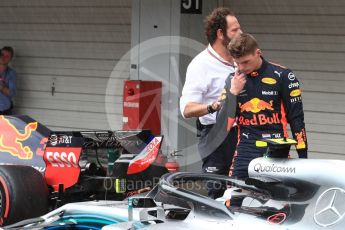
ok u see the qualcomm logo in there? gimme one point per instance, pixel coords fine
(273, 169)
(330, 208)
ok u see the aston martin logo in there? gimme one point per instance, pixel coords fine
(330, 208)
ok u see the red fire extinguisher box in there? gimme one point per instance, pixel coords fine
(142, 105)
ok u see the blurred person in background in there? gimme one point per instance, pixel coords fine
(7, 81)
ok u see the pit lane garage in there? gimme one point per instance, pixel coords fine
(64, 64)
(66, 52)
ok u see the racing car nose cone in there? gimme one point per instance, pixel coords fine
(330, 207)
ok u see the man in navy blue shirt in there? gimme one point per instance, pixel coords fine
(266, 97)
(7, 81)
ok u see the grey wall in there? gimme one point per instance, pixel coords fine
(154, 54)
(73, 45)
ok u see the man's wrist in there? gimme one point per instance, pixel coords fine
(232, 91)
(210, 109)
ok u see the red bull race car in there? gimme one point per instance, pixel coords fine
(41, 169)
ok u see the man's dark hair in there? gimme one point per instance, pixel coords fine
(242, 44)
(216, 20)
(8, 49)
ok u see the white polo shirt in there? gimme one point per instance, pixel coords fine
(205, 80)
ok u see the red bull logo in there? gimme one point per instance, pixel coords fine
(259, 119)
(11, 140)
(255, 105)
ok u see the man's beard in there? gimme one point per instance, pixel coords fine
(226, 41)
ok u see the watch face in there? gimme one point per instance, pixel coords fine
(209, 109)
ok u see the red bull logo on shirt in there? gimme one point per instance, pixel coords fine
(259, 119)
(11, 140)
(255, 105)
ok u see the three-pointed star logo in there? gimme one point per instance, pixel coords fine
(329, 210)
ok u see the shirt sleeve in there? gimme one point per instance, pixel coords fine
(195, 87)
(293, 108)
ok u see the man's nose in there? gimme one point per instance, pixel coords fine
(240, 66)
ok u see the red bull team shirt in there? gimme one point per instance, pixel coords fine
(271, 99)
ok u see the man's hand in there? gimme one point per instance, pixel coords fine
(194, 109)
(237, 82)
(216, 105)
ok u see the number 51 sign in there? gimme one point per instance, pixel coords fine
(191, 6)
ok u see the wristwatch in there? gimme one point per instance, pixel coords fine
(210, 109)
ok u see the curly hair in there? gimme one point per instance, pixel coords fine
(216, 20)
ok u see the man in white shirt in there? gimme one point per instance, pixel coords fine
(205, 79)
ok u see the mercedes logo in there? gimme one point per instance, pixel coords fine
(329, 208)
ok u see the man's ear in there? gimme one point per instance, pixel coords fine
(220, 34)
(258, 52)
